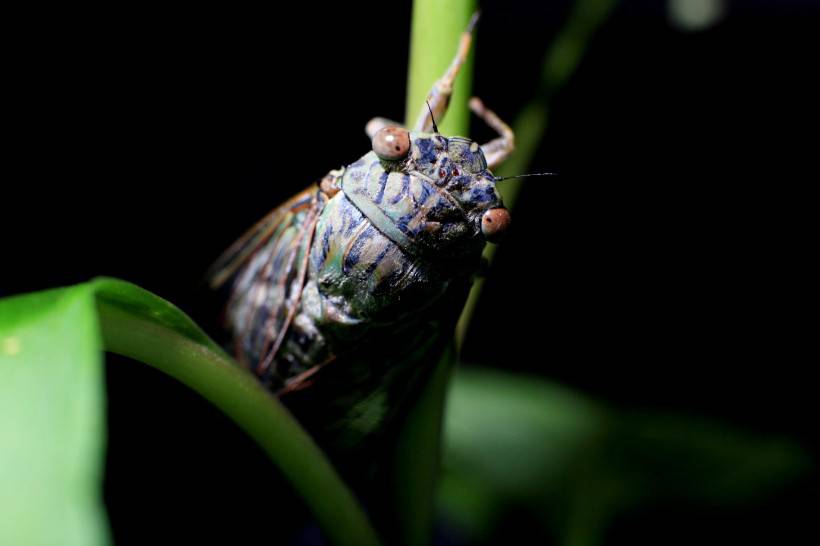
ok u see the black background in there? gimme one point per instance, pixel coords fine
(665, 268)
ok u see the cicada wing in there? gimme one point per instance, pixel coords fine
(255, 238)
(268, 266)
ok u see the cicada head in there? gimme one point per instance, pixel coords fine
(457, 166)
(432, 195)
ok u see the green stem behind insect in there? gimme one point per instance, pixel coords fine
(560, 63)
(437, 27)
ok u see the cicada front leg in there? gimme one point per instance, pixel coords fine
(498, 149)
(495, 151)
(376, 124)
(439, 96)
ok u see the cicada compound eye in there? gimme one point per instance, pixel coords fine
(494, 224)
(391, 143)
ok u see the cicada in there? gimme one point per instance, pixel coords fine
(343, 297)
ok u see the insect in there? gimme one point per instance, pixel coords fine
(343, 295)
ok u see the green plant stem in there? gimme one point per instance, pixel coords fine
(214, 375)
(418, 457)
(560, 63)
(437, 28)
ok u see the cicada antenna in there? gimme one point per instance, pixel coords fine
(432, 117)
(474, 20)
(500, 178)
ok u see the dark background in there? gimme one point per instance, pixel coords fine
(665, 268)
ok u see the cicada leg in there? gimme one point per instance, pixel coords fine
(374, 125)
(439, 96)
(498, 149)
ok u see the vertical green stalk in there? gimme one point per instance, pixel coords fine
(560, 63)
(437, 27)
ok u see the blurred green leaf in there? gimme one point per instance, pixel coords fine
(517, 440)
(52, 408)
(516, 432)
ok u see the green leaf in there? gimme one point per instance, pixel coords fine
(520, 440)
(515, 431)
(52, 409)
(140, 325)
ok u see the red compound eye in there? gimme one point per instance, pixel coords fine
(391, 143)
(494, 224)
(442, 173)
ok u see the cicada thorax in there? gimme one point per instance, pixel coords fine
(416, 214)
(331, 276)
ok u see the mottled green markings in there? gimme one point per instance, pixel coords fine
(357, 192)
(52, 407)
